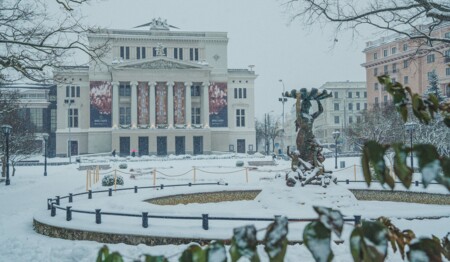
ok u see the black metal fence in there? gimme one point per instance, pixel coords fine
(348, 181)
(55, 203)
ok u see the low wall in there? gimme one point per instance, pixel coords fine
(207, 197)
(401, 196)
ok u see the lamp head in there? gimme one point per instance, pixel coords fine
(6, 129)
(45, 136)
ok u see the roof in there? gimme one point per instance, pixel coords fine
(344, 85)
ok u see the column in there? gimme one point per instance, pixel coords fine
(205, 104)
(115, 105)
(152, 104)
(170, 103)
(188, 103)
(134, 104)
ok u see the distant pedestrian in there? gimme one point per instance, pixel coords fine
(114, 153)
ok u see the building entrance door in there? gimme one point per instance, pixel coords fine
(124, 144)
(143, 145)
(180, 148)
(241, 145)
(161, 145)
(198, 145)
(73, 147)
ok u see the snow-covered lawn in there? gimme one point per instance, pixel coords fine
(26, 198)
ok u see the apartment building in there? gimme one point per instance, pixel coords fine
(160, 92)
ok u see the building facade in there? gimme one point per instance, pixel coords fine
(341, 110)
(159, 92)
(402, 59)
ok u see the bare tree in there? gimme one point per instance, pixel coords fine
(268, 130)
(34, 40)
(414, 19)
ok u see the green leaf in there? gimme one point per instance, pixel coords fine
(193, 253)
(444, 178)
(401, 169)
(365, 166)
(429, 163)
(216, 252)
(374, 152)
(317, 238)
(243, 244)
(369, 242)
(331, 219)
(115, 257)
(102, 254)
(275, 240)
(425, 249)
(420, 110)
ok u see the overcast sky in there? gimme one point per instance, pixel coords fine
(259, 34)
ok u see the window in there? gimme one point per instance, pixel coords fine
(393, 50)
(386, 69)
(235, 93)
(365, 94)
(447, 71)
(405, 63)
(240, 117)
(72, 91)
(67, 91)
(125, 52)
(240, 92)
(447, 35)
(78, 91)
(73, 117)
(357, 94)
(349, 94)
(350, 119)
(193, 54)
(336, 94)
(376, 100)
(350, 106)
(405, 80)
(447, 91)
(358, 106)
(394, 68)
(365, 106)
(405, 47)
(53, 120)
(375, 56)
(430, 58)
(245, 92)
(385, 99)
(358, 119)
(140, 52)
(375, 71)
(336, 119)
(122, 52)
(124, 89)
(125, 115)
(195, 90)
(336, 106)
(429, 75)
(36, 117)
(375, 86)
(195, 115)
(385, 52)
(178, 53)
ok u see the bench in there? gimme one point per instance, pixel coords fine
(262, 163)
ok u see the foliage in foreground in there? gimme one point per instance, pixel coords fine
(368, 242)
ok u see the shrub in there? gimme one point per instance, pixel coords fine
(239, 163)
(123, 166)
(108, 180)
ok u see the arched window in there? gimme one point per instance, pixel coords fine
(447, 91)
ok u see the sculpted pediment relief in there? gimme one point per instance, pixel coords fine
(161, 64)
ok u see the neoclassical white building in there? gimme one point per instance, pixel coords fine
(160, 92)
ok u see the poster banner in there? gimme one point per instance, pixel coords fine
(218, 105)
(143, 103)
(100, 103)
(179, 104)
(161, 103)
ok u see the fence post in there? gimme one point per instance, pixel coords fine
(53, 212)
(354, 171)
(68, 213)
(97, 175)
(246, 174)
(195, 174)
(115, 179)
(49, 205)
(70, 197)
(90, 194)
(87, 179)
(98, 216)
(135, 189)
(57, 200)
(357, 220)
(109, 191)
(417, 183)
(205, 222)
(162, 186)
(154, 176)
(90, 177)
(144, 219)
(347, 181)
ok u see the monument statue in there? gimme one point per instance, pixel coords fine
(307, 159)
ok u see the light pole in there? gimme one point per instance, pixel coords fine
(410, 127)
(336, 135)
(69, 101)
(283, 100)
(45, 136)
(7, 131)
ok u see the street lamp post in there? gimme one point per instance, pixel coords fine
(410, 127)
(7, 131)
(69, 102)
(282, 99)
(336, 135)
(45, 136)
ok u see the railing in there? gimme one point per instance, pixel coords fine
(53, 204)
(348, 181)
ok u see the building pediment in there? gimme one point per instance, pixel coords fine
(161, 63)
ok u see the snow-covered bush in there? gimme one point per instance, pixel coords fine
(239, 163)
(123, 166)
(108, 180)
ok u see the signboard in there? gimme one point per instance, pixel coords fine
(143, 103)
(161, 103)
(100, 103)
(179, 104)
(218, 104)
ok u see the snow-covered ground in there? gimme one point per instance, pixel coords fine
(26, 198)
